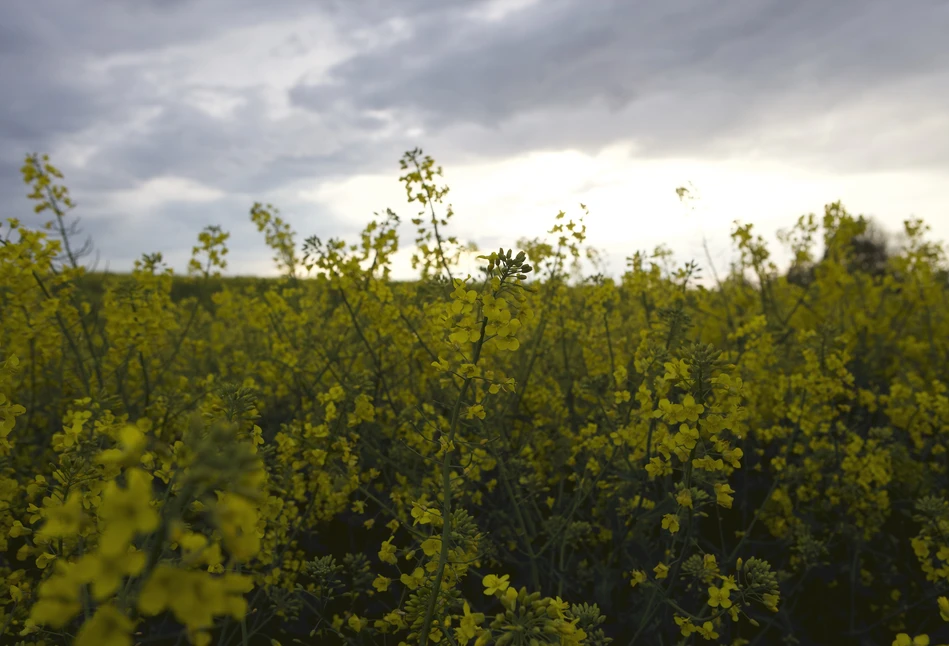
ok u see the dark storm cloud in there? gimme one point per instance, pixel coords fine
(243, 153)
(678, 77)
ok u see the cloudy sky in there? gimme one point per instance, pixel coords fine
(169, 115)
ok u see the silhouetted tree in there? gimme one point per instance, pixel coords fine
(868, 252)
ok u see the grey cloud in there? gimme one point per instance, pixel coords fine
(245, 154)
(676, 77)
(98, 27)
(683, 77)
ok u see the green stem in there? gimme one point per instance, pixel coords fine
(446, 496)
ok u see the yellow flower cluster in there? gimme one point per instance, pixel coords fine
(193, 458)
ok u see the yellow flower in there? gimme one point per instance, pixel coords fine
(509, 599)
(719, 597)
(728, 583)
(237, 518)
(708, 463)
(37, 485)
(355, 623)
(127, 512)
(688, 437)
(556, 608)
(70, 436)
(670, 522)
(132, 442)
(213, 558)
(62, 518)
(637, 577)
(414, 580)
(235, 587)
(723, 495)
(685, 624)
(196, 599)
(690, 410)
(493, 583)
(157, 592)
(920, 547)
(904, 639)
(387, 553)
(770, 602)
(44, 559)
(393, 619)
(58, 599)
(707, 630)
(943, 608)
(469, 624)
(108, 627)
(661, 570)
(733, 457)
(432, 546)
(18, 529)
(191, 544)
(381, 583)
(423, 514)
(656, 467)
(684, 498)
(442, 364)
(106, 571)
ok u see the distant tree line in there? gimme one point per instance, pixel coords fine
(868, 253)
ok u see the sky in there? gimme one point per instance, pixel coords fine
(170, 115)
